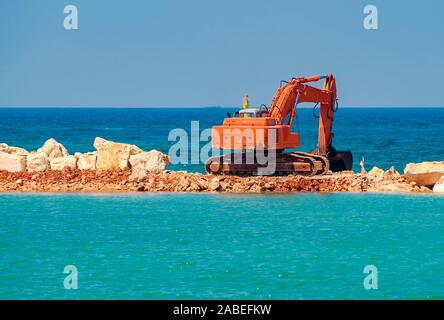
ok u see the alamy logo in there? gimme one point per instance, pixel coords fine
(71, 280)
(371, 19)
(371, 280)
(71, 21)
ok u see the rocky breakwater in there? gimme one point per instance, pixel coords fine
(122, 167)
(52, 169)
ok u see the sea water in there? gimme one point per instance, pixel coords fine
(228, 246)
(208, 246)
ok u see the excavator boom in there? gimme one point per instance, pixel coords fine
(297, 91)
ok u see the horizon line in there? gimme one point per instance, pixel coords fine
(205, 107)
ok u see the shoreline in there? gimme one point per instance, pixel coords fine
(120, 182)
(147, 193)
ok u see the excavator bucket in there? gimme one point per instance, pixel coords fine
(341, 161)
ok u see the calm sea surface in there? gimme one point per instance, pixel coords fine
(207, 246)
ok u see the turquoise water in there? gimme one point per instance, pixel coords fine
(208, 246)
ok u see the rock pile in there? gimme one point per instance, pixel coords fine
(116, 180)
(121, 167)
(391, 181)
(54, 156)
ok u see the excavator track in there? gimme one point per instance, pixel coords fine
(295, 163)
(316, 157)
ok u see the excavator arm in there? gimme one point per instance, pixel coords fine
(297, 91)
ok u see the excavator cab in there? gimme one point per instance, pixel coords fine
(252, 113)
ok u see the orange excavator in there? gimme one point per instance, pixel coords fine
(267, 131)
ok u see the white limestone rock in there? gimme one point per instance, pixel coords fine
(12, 150)
(61, 163)
(114, 155)
(439, 186)
(138, 175)
(12, 162)
(376, 174)
(424, 173)
(53, 149)
(37, 161)
(150, 161)
(86, 161)
(214, 184)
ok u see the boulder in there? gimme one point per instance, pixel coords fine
(238, 187)
(376, 174)
(184, 183)
(439, 186)
(138, 175)
(151, 161)
(214, 184)
(12, 162)
(114, 155)
(391, 174)
(61, 163)
(37, 161)
(424, 173)
(86, 161)
(12, 150)
(53, 149)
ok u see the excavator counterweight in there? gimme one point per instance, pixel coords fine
(256, 131)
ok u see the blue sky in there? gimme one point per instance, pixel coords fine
(143, 53)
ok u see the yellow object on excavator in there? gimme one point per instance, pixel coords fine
(246, 103)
